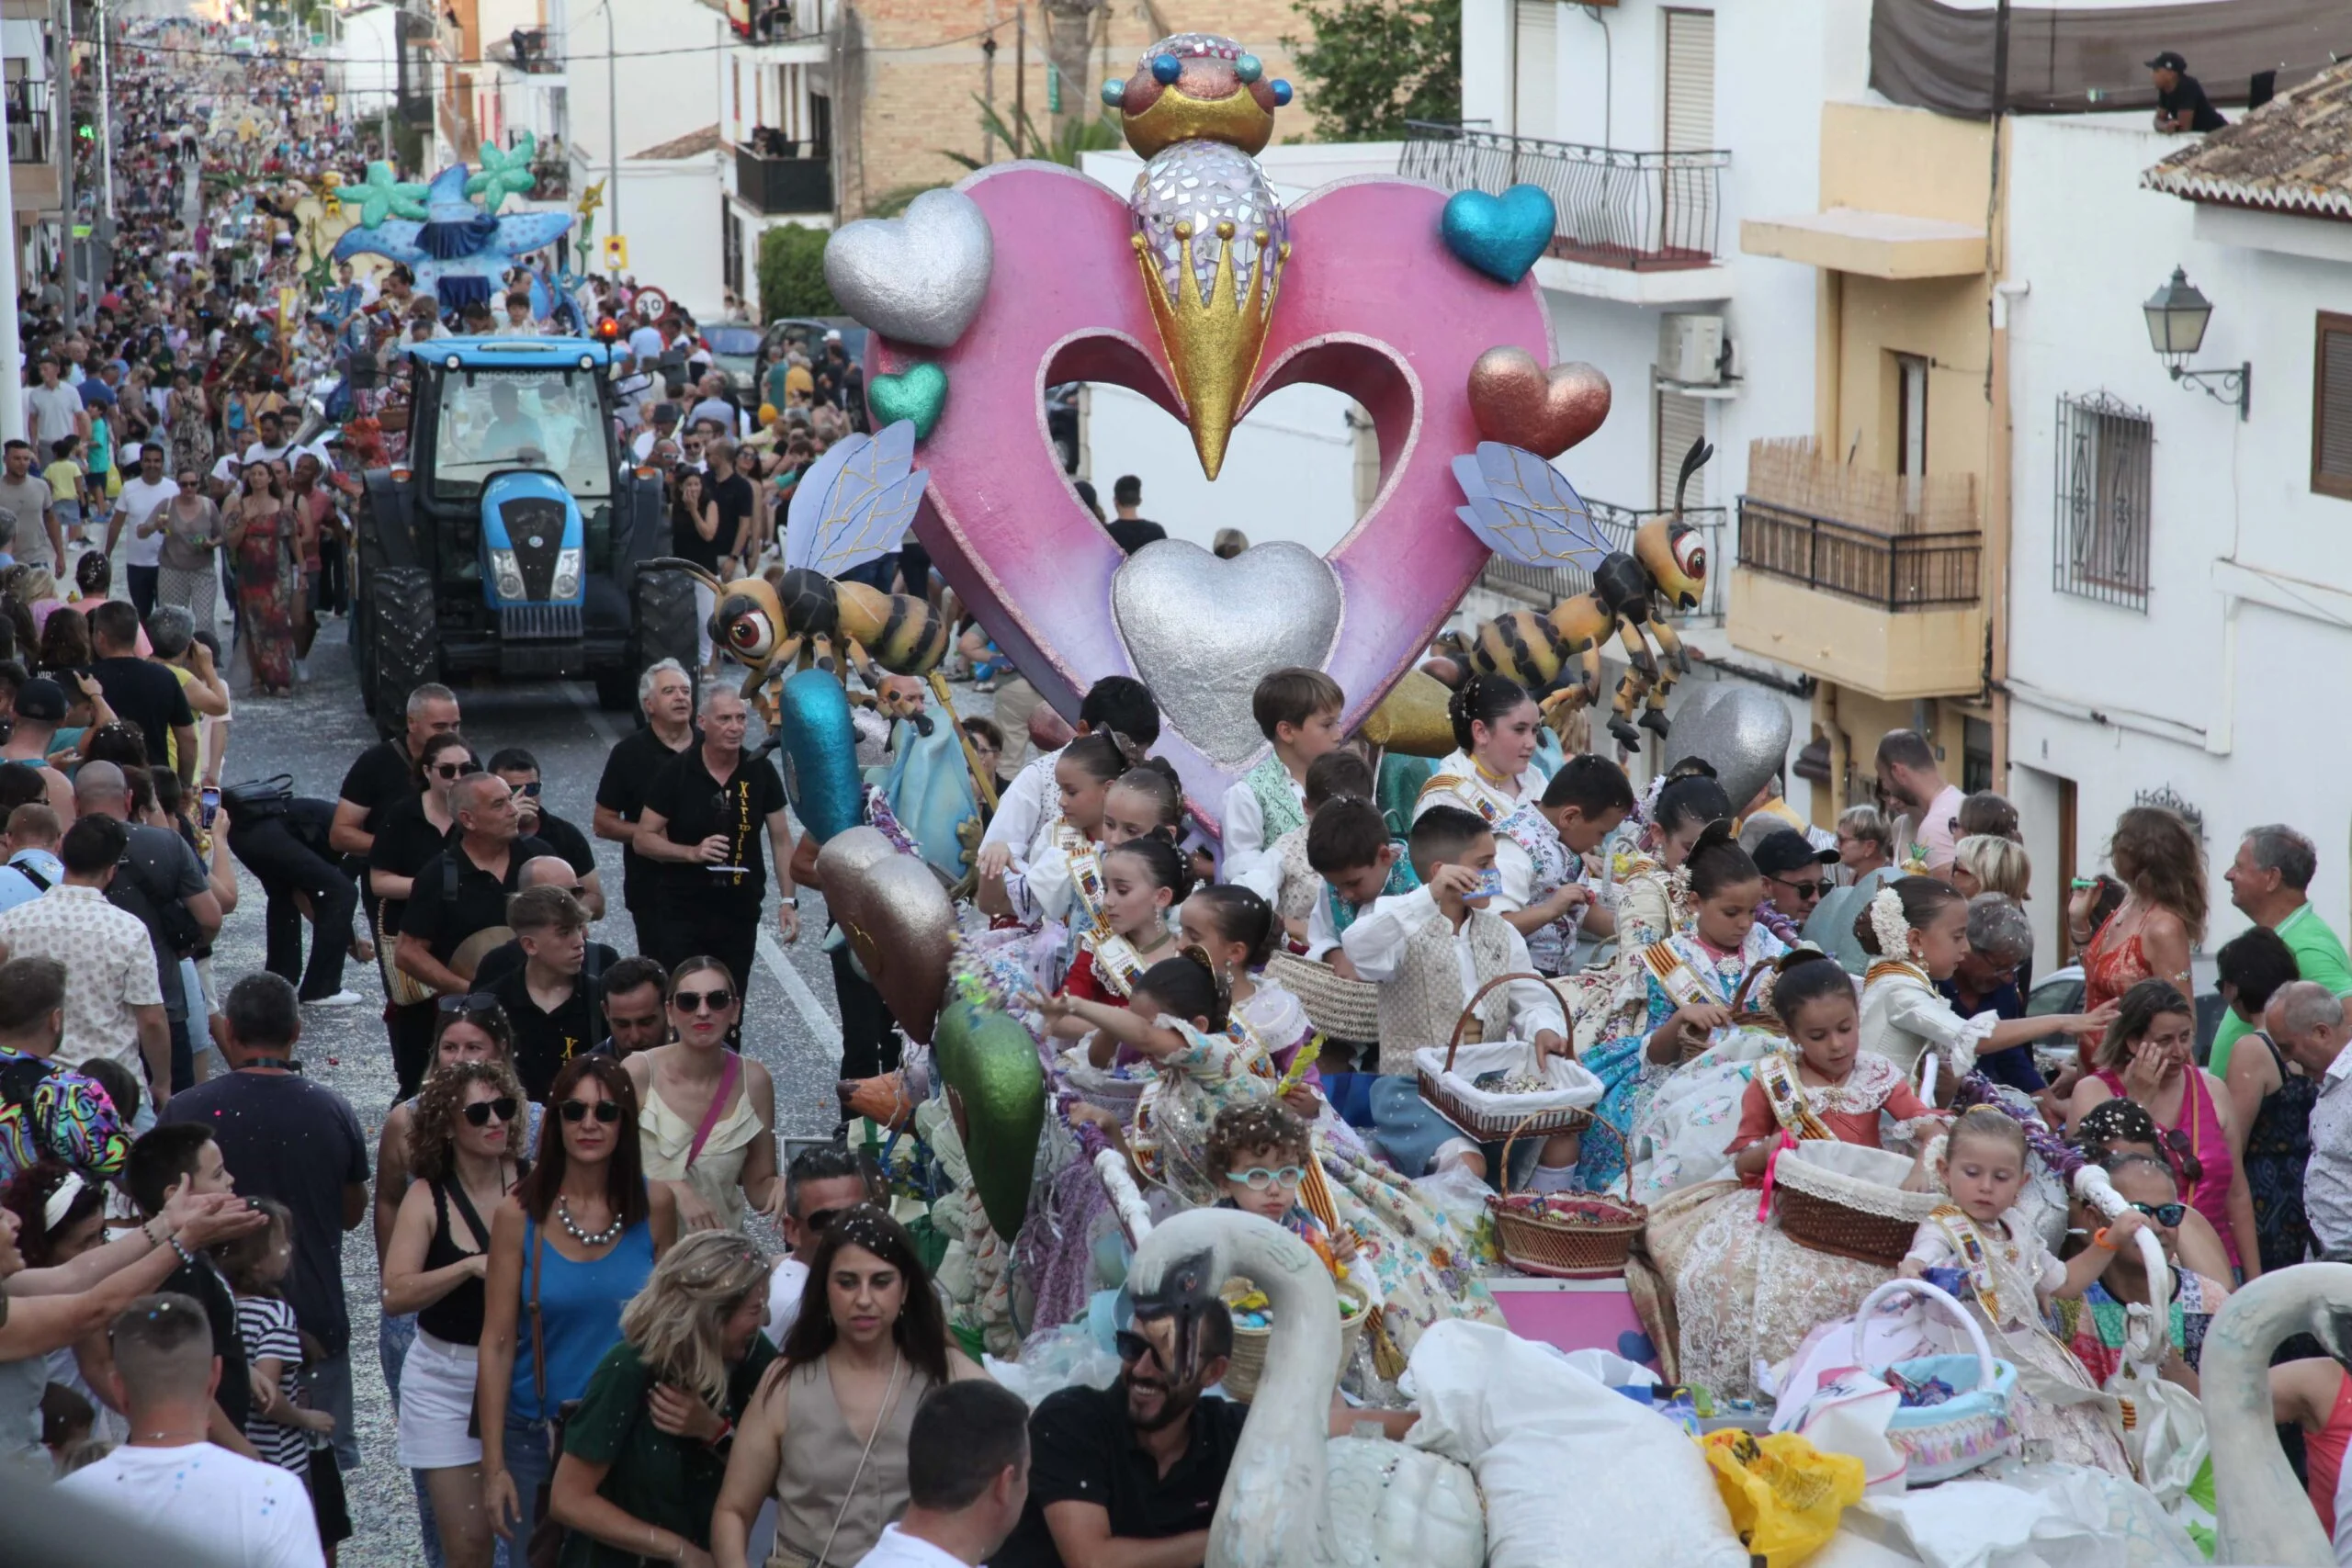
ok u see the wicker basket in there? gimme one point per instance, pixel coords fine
(1579, 1235)
(1853, 1208)
(1441, 1089)
(1248, 1360)
(1342, 1009)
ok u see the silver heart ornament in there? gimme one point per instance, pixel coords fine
(1185, 617)
(1741, 731)
(919, 277)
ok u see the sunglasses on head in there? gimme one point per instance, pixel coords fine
(694, 1001)
(468, 1004)
(604, 1111)
(480, 1112)
(2168, 1215)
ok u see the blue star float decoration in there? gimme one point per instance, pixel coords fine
(381, 196)
(458, 251)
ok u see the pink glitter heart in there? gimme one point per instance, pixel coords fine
(1372, 305)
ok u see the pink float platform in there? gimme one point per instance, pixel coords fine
(1575, 1315)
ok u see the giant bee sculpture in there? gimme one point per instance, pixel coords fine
(1522, 507)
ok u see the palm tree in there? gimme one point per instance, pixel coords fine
(1078, 134)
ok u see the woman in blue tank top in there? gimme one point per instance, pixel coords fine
(576, 1240)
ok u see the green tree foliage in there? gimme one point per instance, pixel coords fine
(1080, 133)
(792, 273)
(1374, 64)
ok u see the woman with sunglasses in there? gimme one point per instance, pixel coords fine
(2146, 1057)
(572, 1244)
(708, 1126)
(463, 1155)
(826, 1434)
(2093, 1327)
(414, 831)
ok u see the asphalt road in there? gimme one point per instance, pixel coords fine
(789, 1023)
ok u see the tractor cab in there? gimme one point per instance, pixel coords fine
(510, 544)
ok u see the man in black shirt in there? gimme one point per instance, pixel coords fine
(666, 694)
(1131, 532)
(521, 772)
(739, 502)
(2181, 104)
(547, 1001)
(704, 816)
(1143, 1460)
(141, 690)
(287, 850)
(299, 1142)
(462, 891)
(165, 1164)
(385, 773)
(635, 997)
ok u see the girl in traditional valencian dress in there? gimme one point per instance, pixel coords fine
(1083, 774)
(1689, 981)
(1142, 880)
(2010, 1278)
(1743, 1290)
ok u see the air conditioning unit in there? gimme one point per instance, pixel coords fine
(1691, 350)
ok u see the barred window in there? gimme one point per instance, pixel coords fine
(2100, 519)
(2332, 407)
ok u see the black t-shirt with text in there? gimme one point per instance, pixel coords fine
(144, 692)
(694, 806)
(629, 768)
(544, 1040)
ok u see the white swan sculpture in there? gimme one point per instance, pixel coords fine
(1294, 1499)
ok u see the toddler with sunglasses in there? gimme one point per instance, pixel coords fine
(1261, 1150)
(1979, 1247)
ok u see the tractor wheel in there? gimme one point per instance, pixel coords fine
(669, 625)
(615, 691)
(405, 640)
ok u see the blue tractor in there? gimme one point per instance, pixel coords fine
(516, 542)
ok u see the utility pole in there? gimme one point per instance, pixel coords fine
(611, 120)
(105, 124)
(11, 385)
(60, 131)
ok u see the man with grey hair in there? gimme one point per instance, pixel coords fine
(666, 694)
(2000, 943)
(171, 633)
(385, 773)
(463, 890)
(705, 815)
(2270, 883)
(2311, 1026)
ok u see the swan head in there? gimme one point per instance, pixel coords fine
(1181, 1268)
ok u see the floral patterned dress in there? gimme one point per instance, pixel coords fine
(1641, 1006)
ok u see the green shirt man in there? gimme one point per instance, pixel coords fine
(2268, 881)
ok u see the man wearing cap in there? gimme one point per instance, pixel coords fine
(663, 428)
(1795, 874)
(41, 708)
(2181, 104)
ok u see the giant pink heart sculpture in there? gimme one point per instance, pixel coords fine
(1372, 304)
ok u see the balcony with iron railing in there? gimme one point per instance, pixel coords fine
(27, 100)
(1542, 587)
(784, 177)
(1869, 578)
(1632, 212)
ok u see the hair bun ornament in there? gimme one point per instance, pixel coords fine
(1888, 924)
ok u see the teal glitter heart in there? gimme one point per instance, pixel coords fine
(919, 392)
(1502, 236)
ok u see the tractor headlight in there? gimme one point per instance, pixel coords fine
(567, 574)
(506, 574)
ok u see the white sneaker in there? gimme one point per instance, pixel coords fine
(342, 999)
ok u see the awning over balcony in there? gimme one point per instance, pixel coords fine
(1891, 245)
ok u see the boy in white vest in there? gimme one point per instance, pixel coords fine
(1430, 951)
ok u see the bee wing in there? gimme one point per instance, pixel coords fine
(1525, 510)
(843, 526)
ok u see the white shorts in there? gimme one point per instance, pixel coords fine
(436, 1404)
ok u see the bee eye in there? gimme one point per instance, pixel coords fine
(1691, 555)
(749, 632)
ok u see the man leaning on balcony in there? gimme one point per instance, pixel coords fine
(2181, 103)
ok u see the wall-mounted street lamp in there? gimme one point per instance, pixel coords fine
(2177, 315)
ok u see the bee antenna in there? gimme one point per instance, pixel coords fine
(1692, 461)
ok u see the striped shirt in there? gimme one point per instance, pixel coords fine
(266, 1325)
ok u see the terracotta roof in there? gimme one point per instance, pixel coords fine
(686, 146)
(2293, 154)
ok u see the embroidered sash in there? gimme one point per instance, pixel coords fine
(1974, 1253)
(1116, 963)
(1674, 977)
(1777, 1075)
(1085, 878)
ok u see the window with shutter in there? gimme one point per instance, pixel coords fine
(2332, 407)
(1535, 35)
(1680, 422)
(1690, 81)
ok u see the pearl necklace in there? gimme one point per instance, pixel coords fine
(604, 1238)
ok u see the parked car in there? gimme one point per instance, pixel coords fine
(735, 352)
(809, 331)
(2061, 993)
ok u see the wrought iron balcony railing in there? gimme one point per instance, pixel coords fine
(1641, 211)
